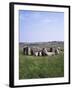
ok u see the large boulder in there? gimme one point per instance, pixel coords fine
(26, 51)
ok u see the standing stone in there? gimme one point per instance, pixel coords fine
(43, 52)
(27, 50)
(31, 51)
(39, 53)
(24, 50)
(56, 51)
(51, 49)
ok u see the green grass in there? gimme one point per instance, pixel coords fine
(41, 66)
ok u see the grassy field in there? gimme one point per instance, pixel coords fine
(41, 66)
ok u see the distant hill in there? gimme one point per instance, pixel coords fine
(43, 44)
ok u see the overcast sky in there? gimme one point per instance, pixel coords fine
(41, 26)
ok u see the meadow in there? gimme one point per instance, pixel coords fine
(40, 66)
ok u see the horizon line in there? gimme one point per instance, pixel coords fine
(41, 42)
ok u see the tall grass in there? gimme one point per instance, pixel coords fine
(41, 66)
